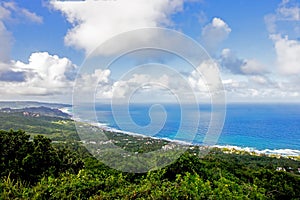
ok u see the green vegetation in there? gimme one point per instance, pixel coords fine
(56, 128)
(29, 161)
(59, 128)
(33, 167)
(38, 169)
(133, 143)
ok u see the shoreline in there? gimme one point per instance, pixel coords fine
(286, 153)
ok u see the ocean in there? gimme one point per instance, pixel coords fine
(268, 128)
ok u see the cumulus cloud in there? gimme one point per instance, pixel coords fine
(231, 62)
(145, 79)
(96, 21)
(283, 25)
(287, 51)
(161, 83)
(164, 85)
(44, 74)
(122, 88)
(48, 70)
(214, 33)
(249, 80)
(99, 79)
(197, 82)
(237, 65)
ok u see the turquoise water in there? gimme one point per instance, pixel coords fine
(258, 126)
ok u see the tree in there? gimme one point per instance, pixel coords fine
(28, 160)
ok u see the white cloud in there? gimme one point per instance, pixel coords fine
(44, 74)
(287, 65)
(47, 70)
(123, 88)
(231, 62)
(214, 33)
(141, 82)
(261, 88)
(252, 66)
(205, 78)
(133, 84)
(287, 51)
(242, 90)
(261, 80)
(167, 83)
(96, 21)
(86, 83)
(288, 10)
(237, 65)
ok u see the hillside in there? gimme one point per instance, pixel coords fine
(34, 168)
(26, 104)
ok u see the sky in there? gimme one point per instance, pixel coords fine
(44, 45)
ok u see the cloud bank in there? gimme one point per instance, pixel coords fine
(93, 22)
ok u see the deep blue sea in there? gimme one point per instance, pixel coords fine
(257, 126)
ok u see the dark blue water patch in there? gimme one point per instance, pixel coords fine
(261, 126)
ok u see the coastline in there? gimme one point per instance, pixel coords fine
(66, 110)
(227, 148)
(287, 153)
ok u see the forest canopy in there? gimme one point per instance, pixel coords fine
(39, 169)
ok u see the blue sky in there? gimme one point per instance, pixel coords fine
(255, 44)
